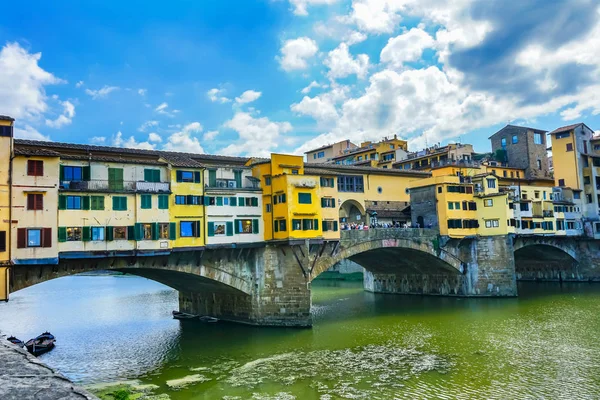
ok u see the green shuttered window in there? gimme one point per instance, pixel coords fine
(152, 175)
(146, 201)
(119, 203)
(97, 202)
(163, 201)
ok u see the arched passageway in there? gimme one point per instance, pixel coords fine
(544, 262)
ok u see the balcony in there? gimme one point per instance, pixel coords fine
(101, 185)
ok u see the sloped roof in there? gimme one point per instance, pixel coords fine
(6, 118)
(568, 128)
(517, 128)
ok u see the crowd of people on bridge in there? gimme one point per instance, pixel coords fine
(378, 225)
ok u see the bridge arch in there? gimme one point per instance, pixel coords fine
(350, 209)
(409, 251)
(543, 258)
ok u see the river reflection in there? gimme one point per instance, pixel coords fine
(540, 345)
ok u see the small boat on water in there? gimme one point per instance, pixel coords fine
(207, 319)
(41, 344)
(16, 341)
(183, 315)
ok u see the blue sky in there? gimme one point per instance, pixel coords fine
(257, 76)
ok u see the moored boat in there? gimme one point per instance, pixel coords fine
(183, 315)
(206, 318)
(41, 344)
(16, 341)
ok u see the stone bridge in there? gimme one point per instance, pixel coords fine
(269, 283)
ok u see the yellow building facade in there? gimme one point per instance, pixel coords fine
(370, 153)
(6, 142)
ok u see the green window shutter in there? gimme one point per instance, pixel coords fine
(325, 226)
(197, 229)
(163, 201)
(255, 202)
(62, 234)
(131, 232)
(155, 231)
(233, 201)
(100, 202)
(316, 225)
(139, 231)
(189, 199)
(94, 202)
(172, 230)
(219, 201)
(115, 178)
(241, 201)
(304, 224)
(86, 234)
(238, 178)
(62, 173)
(196, 177)
(254, 226)
(148, 175)
(335, 226)
(146, 200)
(323, 204)
(229, 227)
(179, 176)
(62, 202)
(283, 198)
(206, 200)
(110, 233)
(85, 202)
(212, 178)
(86, 173)
(211, 229)
(276, 226)
(157, 175)
(237, 223)
(123, 203)
(115, 205)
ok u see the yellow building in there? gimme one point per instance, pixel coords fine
(369, 153)
(437, 156)
(460, 206)
(6, 135)
(292, 199)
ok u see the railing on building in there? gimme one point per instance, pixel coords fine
(101, 185)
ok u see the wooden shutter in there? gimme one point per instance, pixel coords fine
(172, 230)
(179, 176)
(46, 237)
(254, 226)
(196, 229)
(283, 198)
(233, 201)
(237, 223)
(211, 229)
(229, 226)
(131, 232)
(86, 234)
(219, 201)
(196, 177)
(62, 234)
(85, 202)
(85, 173)
(276, 226)
(110, 233)
(39, 202)
(255, 201)
(325, 228)
(212, 178)
(30, 201)
(335, 226)
(238, 178)
(61, 173)
(156, 175)
(316, 225)
(155, 231)
(139, 231)
(21, 238)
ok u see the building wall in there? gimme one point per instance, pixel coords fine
(186, 212)
(330, 215)
(5, 163)
(47, 185)
(226, 218)
(525, 153)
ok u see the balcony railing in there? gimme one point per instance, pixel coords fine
(101, 185)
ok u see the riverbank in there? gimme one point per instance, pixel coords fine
(22, 376)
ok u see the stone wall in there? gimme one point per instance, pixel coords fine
(423, 204)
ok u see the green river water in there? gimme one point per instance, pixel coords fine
(542, 345)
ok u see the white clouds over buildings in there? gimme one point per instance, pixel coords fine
(184, 140)
(256, 136)
(248, 96)
(341, 63)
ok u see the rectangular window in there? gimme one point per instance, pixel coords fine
(330, 226)
(146, 201)
(561, 182)
(536, 194)
(244, 226)
(587, 180)
(119, 203)
(120, 233)
(588, 198)
(189, 229)
(152, 175)
(267, 181)
(296, 224)
(492, 223)
(304, 198)
(186, 176)
(538, 138)
(268, 207)
(491, 183)
(73, 202)
(524, 206)
(35, 168)
(34, 237)
(321, 154)
(515, 139)
(115, 179)
(569, 146)
(281, 224)
(163, 201)
(503, 142)
(472, 206)
(97, 202)
(576, 195)
(180, 200)
(327, 182)
(488, 203)
(163, 231)
(97, 233)
(74, 234)
(72, 173)
(350, 184)
(450, 205)
(146, 231)
(2, 241)
(327, 202)
(308, 225)
(219, 229)
(35, 201)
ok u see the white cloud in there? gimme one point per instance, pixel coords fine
(376, 16)
(142, 92)
(256, 136)
(98, 140)
(406, 47)
(300, 6)
(102, 92)
(28, 132)
(22, 83)
(147, 124)
(296, 52)
(248, 97)
(216, 96)
(341, 63)
(79, 84)
(210, 135)
(154, 137)
(163, 109)
(322, 107)
(131, 143)
(338, 29)
(65, 118)
(184, 141)
(313, 84)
